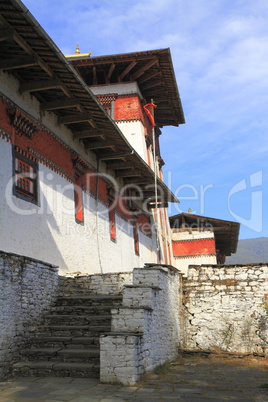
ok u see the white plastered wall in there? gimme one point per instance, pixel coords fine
(134, 133)
(49, 232)
(180, 235)
(183, 263)
(120, 89)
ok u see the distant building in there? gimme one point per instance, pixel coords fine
(200, 240)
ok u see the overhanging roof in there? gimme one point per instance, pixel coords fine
(152, 70)
(225, 232)
(28, 53)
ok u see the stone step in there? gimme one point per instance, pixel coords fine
(93, 300)
(55, 369)
(81, 309)
(88, 355)
(65, 341)
(74, 330)
(77, 320)
(78, 317)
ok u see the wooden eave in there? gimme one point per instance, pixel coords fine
(28, 53)
(226, 232)
(152, 70)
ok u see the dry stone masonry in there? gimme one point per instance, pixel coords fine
(145, 330)
(224, 308)
(151, 313)
(105, 284)
(27, 291)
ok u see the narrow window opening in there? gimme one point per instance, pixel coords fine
(78, 199)
(112, 224)
(136, 239)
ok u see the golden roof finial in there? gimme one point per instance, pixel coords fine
(78, 54)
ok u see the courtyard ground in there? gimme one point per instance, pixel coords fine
(188, 378)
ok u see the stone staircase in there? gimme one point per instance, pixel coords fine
(67, 343)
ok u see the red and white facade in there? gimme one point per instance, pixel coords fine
(52, 207)
(124, 104)
(63, 198)
(198, 240)
(193, 248)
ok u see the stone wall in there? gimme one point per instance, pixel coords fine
(223, 308)
(105, 284)
(145, 330)
(27, 291)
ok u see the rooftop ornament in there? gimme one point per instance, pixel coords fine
(78, 54)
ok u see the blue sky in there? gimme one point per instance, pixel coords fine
(217, 163)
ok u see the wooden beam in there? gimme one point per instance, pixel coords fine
(149, 76)
(35, 86)
(127, 70)
(108, 60)
(89, 134)
(112, 157)
(28, 49)
(144, 68)
(155, 83)
(100, 145)
(76, 118)
(130, 173)
(60, 104)
(6, 34)
(159, 205)
(120, 165)
(95, 81)
(140, 181)
(111, 69)
(155, 92)
(18, 62)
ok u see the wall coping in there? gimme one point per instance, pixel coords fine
(142, 287)
(138, 334)
(25, 258)
(259, 264)
(76, 276)
(162, 267)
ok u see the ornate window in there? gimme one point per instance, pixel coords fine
(107, 102)
(25, 178)
(22, 125)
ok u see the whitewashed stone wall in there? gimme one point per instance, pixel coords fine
(224, 309)
(27, 291)
(104, 284)
(145, 330)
